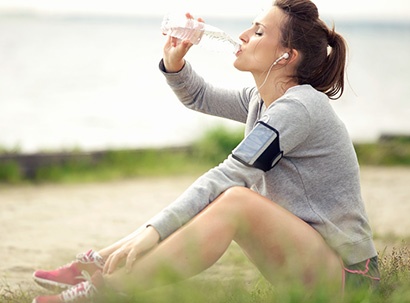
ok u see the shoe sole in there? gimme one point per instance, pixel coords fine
(52, 285)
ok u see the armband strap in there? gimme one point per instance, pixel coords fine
(260, 148)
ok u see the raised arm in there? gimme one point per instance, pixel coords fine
(194, 92)
(198, 95)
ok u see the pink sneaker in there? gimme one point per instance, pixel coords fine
(71, 274)
(80, 293)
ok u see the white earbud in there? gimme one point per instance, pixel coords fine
(284, 56)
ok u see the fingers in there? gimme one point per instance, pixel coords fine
(173, 42)
(189, 16)
(131, 258)
(114, 260)
(185, 44)
(119, 257)
(174, 53)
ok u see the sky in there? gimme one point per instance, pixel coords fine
(398, 10)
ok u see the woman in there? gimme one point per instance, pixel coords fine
(289, 194)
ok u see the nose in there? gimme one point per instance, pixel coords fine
(244, 37)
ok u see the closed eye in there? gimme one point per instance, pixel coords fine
(259, 28)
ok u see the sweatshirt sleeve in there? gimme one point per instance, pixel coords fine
(201, 193)
(198, 95)
(292, 121)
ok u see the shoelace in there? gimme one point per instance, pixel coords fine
(88, 257)
(91, 257)
(82, 290)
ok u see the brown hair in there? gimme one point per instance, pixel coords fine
(311, 37)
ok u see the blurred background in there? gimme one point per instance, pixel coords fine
(83, 74)
(82, 100)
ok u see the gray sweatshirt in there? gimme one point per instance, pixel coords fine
(317, 179)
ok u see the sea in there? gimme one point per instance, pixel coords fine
(90, 83)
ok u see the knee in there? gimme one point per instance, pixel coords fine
(238, 201)
(237, 193)
(234, 204)
(236, 196)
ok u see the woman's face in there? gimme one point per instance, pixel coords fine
(261, 43)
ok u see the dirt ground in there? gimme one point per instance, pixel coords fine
(43, 226)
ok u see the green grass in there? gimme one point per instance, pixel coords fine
(121, 164)
(110, 165)
(76, 166)
(231, 287)
(10, 172)
(207, 152)
(394, 151)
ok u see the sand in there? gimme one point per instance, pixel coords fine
(44, 226)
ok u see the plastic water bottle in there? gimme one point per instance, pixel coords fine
(189, 29)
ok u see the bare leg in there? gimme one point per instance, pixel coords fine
(272, 237)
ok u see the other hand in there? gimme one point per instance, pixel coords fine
(130, 251)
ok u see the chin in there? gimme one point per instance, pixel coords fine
(239, 66)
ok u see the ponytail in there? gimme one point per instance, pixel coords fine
(329, 78)
(322, 50)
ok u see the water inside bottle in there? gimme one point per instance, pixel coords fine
(210, 37)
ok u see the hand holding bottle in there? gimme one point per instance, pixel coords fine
(183, 33)
(175, 50)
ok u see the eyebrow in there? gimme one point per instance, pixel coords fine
(259, 24)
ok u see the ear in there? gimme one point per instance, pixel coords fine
(287, 57)
(293, 56)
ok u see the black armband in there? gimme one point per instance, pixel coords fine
(260, 148)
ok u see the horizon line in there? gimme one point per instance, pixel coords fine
(6, 12)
